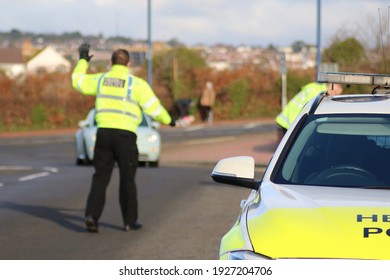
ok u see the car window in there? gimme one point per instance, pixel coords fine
(338, 150)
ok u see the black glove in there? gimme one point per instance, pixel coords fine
(84, 52)
(173, 122)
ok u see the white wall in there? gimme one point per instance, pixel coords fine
(13, 70)
(48, 60)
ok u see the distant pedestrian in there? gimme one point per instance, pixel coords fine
(181, 108)
(181, 112)
(206, 104)
(120, 99)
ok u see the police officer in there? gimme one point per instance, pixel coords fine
(295, 105)
(120, 97)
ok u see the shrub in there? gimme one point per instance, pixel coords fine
(238, 91)
(39, 116)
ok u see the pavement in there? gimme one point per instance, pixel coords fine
(208, 151)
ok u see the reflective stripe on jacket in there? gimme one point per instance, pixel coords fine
(120, 97)
(295, 105)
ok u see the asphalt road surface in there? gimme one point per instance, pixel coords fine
(42, 200)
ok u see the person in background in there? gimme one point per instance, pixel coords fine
(295, 105)
(181, 112)
(120, 99)
(206, 103)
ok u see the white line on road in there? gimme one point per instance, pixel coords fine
(210, 140)
(51, 169)
(194, 128)
(46, 171)
(34, 176)
(250, 125)
(15, 167)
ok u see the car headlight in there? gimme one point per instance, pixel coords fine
(245, 255)
(152, 138)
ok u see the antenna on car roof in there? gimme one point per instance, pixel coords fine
(381, 35)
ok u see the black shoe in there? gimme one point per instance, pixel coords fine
(91, 224)
(134, 226)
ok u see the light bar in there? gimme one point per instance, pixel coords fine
(354, 78)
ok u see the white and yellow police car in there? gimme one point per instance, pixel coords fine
(326, 191)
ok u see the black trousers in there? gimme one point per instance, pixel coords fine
(204, 112)
(120, 146)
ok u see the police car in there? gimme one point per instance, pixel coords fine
(326, 191)
(148, 141)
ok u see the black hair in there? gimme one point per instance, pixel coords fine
(120, 56)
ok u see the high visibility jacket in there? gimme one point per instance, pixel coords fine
(120, 97)
(295, 105)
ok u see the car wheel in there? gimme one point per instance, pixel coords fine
(153, 163)
(87, 160)
(82, 158)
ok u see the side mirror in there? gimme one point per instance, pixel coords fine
(155, 125)
(237, 171)
(83, 123)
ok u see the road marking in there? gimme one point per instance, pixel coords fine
(34, 176)
(210, 140)
(51, 169)
(250, 125)
(15, 168)
(193, 128)
(46, 171)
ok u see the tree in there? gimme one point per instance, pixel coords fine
(175, 43)
(176, 70)
(298, 46)
(348, 53)
(15, 34)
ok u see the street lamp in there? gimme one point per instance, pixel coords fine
(149, 55)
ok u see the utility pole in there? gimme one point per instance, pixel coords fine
(116, 24)
(283, 72)
(318, 61)
(149, 54)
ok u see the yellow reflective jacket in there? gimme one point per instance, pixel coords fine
(120, 97)
(295, 105)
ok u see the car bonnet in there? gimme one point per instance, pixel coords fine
(320, 222)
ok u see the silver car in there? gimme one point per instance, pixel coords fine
(148, 141)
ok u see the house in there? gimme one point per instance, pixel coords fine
(46, 61)
(11, 62)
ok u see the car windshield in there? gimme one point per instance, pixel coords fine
(338, 150)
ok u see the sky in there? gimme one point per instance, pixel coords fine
(236, 22)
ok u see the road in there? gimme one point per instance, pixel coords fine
(43, 193)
